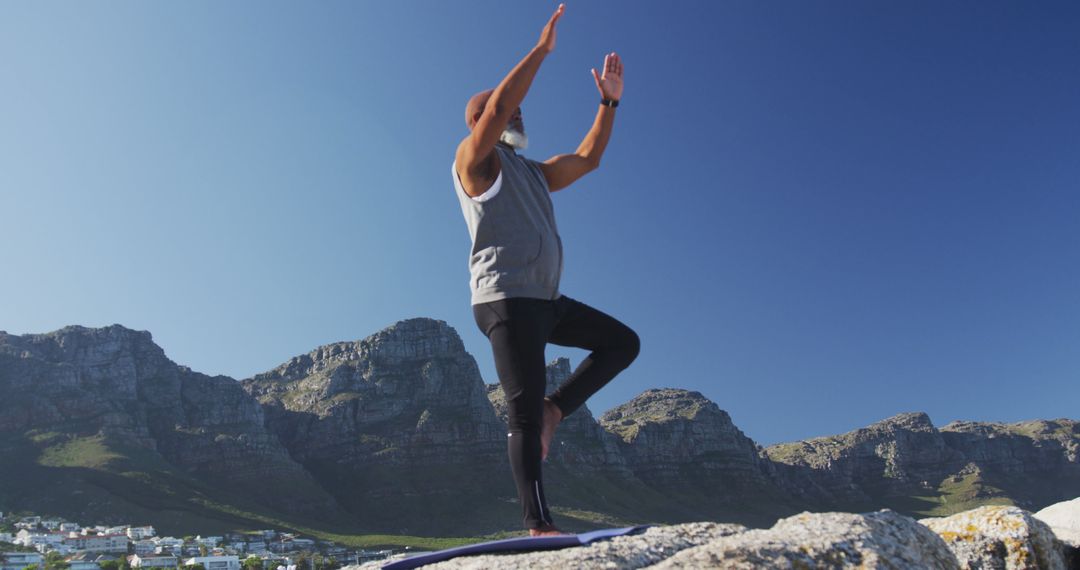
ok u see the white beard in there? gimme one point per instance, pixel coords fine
(516, 139)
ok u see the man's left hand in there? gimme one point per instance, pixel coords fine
(610, 83)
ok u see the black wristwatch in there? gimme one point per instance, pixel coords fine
(609, 102)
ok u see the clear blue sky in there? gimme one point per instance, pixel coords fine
(818, 214)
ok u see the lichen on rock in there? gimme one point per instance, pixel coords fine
(999, 537)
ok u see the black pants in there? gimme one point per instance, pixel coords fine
(519, 328)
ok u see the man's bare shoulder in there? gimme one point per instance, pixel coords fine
(478, 179)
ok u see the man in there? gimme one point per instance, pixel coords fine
(516, 264)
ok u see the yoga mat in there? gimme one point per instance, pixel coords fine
(523, 544)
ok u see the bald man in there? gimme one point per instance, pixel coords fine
(516, 261)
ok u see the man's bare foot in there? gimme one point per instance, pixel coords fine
(552, 417)
(549, 530)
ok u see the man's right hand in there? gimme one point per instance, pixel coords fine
(478, 165)
(547, 36)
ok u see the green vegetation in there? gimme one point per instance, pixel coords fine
(355, 540)
(121, 564)
(1042, 429)
(55, 561)
(676, 405)
(12, 547)
(78, 452)
(345, 397)
(42, 437)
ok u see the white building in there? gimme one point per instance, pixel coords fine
(140, 532)
(208, 541)
(52, 524)
(39, 540)
(20, 560)
(70, 527)
(153, 561)
(168, 543)
(61, 549)
(144, 547)
(98, 543)
(82, 561)
(216, 562)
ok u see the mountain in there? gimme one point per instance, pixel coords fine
(397, 426)
(397, 433)
(907, 464)
(99, 424)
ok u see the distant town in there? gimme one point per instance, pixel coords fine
(36, 543)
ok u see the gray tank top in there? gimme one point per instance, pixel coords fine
(516, 248)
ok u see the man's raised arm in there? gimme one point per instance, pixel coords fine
(476, 162)
(562, 170)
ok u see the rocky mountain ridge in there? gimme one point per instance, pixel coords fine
(397, 432)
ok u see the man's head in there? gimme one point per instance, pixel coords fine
(513, 135)
(475, 107)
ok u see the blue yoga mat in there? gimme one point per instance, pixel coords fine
(527, 543)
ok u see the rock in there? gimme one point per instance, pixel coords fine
(632, 551)
(883, 539)
(1064, 519)
(999, 537)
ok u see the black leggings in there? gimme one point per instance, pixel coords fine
(519, 328)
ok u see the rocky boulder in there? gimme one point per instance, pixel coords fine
(1064, 519)
(881, 539)
(1000, 537)
(632, 551)
(824, 540)
(997, 537)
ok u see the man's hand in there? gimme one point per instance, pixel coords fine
(610, 83)
(547, 36)
(562, 170)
